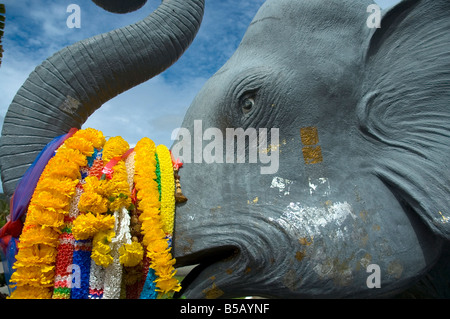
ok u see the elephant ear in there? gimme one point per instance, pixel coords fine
(404, 109)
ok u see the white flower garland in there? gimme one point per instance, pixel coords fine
(96, 280)
(113, 273)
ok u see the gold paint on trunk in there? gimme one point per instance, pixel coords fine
(213, 293)
(299, 255)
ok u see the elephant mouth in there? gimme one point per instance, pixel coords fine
(200, 265)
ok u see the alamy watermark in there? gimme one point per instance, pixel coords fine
(374, 19)
(74, 19)
(73, 280)
(374, 279)
(237, 150)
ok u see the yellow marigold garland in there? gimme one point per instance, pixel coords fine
(35, 260)
(148, 195)
(167, 188)
(131, 254)
(101, 248)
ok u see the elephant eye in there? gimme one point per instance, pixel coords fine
(247, 102)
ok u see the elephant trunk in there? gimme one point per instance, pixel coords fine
(69, 86)
(120, 6)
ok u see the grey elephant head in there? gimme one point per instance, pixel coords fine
(344, 138)
(357, 178)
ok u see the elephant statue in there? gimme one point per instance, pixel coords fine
(356, 199)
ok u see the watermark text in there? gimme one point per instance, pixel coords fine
(238, 146)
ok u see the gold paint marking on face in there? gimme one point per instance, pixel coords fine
(312, 153)
(273, 147)
(305, 241)
(309, 135)
(212, 293)
(299, 255)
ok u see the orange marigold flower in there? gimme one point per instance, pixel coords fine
(131, 254)
(38, 276)
(62, 185)
(80, 144)
(36, 255)
(45, 217)
(34, 235)
(93, 202)
(167, 285)
(72, 155)
(87, 225)
(115, 146)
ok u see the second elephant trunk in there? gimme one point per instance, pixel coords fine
(66, 88)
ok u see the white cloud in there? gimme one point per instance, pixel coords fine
(152, 109)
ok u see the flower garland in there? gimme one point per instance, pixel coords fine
(83, 247)
(167, 188)
(150, 202)
(36, 258)
(136, 264)
(80, 250)
(71, 253)
(166, 283)
(102, 196)
(101, 217)
(147, 195)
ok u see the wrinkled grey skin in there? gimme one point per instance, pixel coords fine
(379, 101)
(384, 133)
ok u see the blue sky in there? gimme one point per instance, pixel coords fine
(35, 29)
